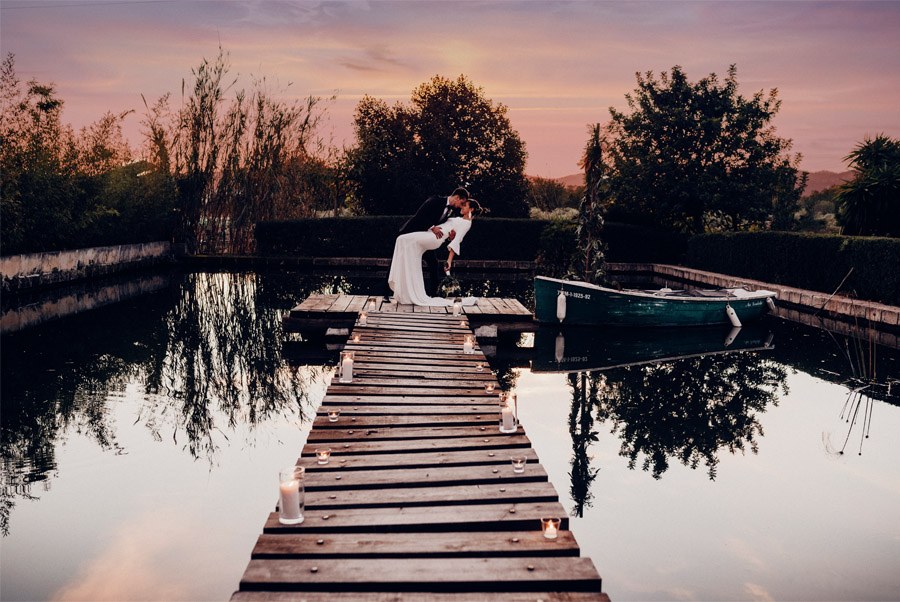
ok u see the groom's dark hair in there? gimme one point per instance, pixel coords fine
(461, 193)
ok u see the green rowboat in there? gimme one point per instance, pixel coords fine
(572, 302)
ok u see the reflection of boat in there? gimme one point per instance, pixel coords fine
(572, 302)
(577, 349)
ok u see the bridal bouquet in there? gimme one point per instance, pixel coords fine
(449, 286)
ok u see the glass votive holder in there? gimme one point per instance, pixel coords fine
(323, 454)
(489, 387)
(356, 338)
(363, 318)
(479, 367)
(462, 323)
(457, 307)
(333, 415)
(468, 344)
(518, 463)
(550, 527)
(291, 494)
(346, 366)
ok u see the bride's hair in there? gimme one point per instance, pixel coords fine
(477, 209)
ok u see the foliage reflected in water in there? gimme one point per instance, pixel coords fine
(688, 409)
(205, 355)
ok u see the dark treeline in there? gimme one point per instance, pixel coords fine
(687, 157)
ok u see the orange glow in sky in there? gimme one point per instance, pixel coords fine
(558, 66)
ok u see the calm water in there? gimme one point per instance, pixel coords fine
(141, 441)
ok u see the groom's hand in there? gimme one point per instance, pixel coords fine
(436, 230)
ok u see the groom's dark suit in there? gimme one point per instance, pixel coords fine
(431, 213)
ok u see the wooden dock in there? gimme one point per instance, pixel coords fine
(419, 500)
(321, 311)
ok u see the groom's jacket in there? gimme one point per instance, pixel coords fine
(428, 215)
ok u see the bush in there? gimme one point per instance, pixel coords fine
(811, 261)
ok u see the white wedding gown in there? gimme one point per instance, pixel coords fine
(406, 278)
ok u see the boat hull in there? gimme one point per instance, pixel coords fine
(588, 304)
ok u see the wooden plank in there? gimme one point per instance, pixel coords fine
(436, 476)
(406, 421)
(545, 596)
(341, 401)
(386, 434)
(357, 304)
(464, 361)
(390, 498)
(392, 446)
(439, 379)
(344, 462)
(530, 596)
(423, 574)
(400, 545)
(412, 410)
(357, 388)
(369, 376)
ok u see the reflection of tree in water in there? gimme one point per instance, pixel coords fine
(207, 356)
(222, 362)
(585, 390)
(690, 409)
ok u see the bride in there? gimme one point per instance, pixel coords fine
(406, 279)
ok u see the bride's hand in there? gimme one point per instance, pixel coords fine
(436, 230)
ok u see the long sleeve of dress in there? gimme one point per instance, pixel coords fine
(461, 226)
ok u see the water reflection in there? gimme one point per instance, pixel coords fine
(206, 356)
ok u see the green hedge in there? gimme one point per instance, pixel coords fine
(811, 261)
(490, 238)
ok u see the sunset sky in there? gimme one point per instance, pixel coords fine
(558, 66)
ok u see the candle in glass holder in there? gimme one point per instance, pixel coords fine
(462, 323)
(489, 387)
(518, 463)
(479, 367)
(333, 415)
(356, 338)
(550, 527)
(322, 455)
(469, 344)
(363, 318)
(346, 366)
(508, 422)
(290, 503)
(372, 305)
(457, 307)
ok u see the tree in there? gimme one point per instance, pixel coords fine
(234, 161)
(546, 194)
(591, 250)
(699, 156)
(449, 135)
(869, 204)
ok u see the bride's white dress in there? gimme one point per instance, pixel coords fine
(406, 278)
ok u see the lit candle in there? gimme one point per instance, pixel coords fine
(322, 455)
(346, 366)
(468, 344)
(518, 463)
(372, 304)
(290, 503)
(333, 415)
(362, 318)
(356, 338)
(479, 367)
(462, 323)
(457, 307)
(488, 387)
(550, 526)
(507, 413)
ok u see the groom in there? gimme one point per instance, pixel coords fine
(433, 212)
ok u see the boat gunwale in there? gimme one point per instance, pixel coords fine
(751, 296)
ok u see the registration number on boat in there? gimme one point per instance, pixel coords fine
(577, 295)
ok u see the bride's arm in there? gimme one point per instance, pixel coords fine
(449, 263)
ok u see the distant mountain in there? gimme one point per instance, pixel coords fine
(818, 180)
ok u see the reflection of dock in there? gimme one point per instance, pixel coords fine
(418, 500)
(488, 316)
